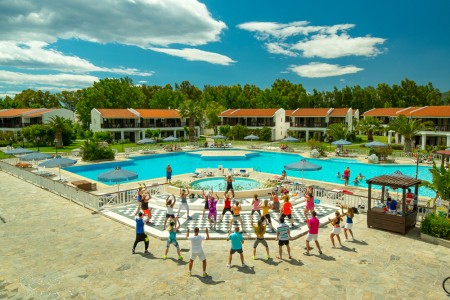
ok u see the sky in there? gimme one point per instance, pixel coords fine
(70, 44)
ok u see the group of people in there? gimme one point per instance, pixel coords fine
(346, 177)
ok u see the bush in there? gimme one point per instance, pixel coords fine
(437, 226)
(397, 146)
(93, 151)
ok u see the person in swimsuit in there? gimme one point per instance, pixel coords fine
(184, 193)
(212, 215)
(336, 228)
(169, 174)
(260, 230)
(227, 206)
(236, 209)
(170, 212)
(346, 176)
(348, 223)
(229, 181)
(172, 239)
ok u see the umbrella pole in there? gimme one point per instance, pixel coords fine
(60, 172)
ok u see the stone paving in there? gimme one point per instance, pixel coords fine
(52, 248)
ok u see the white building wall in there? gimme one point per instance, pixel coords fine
(281, 126)
(96, 120)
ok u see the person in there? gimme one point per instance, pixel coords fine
(140, 234)
(348, 222)
(206, 207)
(255, 206)
(313, 232)
(283, 237)
(309, 206)
(287, 209)
(197, 249)
(236, 209)
(212, 214)
(141, 190)
(229, 181)
(260, 230)
(237, 240)
(361, 176)
(283, 176)
(169, 206)
(409, 197)
(169, 174)
(346, 176)
(266, 215)
(184, 193)
(227, 206)
(275, 201)
(338, 175)
(356, 181)
(437, 200)
(174, 225)
(336, 228)
(145, 208)
(386, 194)
(391, 206)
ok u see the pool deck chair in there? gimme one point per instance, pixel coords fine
(244, 173)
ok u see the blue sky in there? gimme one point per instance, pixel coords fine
(67, 45)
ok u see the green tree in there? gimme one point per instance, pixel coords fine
(58, 124)
(368, 125)
(238, 132)
(225, 130)
(212, 112)
(338, 131)
(69, 99)
(409, 127)
(265, 134)
(190, 107)
(440, 181)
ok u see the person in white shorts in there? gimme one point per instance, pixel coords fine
(348, 223)
(197, 249)
(184, 193)
(335, 222)
(313, 232)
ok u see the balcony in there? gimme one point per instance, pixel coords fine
(249, 124)
(309, 125)
(118, 125)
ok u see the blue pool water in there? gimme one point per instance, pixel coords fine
(154, 166)
(219, 184)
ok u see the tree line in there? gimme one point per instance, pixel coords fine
(211, 100)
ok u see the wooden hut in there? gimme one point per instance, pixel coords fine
(403, 220)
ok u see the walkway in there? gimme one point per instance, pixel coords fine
(52, 248)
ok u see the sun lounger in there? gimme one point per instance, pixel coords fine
(244, 173)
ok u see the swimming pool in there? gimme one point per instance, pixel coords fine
(154, 166)
(219, 184)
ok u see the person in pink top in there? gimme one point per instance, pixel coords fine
(255, 206)
(309, 201)
(313, 233)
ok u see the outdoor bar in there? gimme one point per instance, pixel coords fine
(402, 221)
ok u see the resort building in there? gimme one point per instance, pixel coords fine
(275, 119)
(439, 115)
(308, 121)
(14, 119)
(131, 124)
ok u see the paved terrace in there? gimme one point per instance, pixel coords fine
(52, 248)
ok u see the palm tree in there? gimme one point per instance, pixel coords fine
(409, 127)
(190, 107)
(440, 181)
(57, 124)
(368, 125)
(338, 131)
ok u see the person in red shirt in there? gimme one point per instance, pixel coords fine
(227, 205)
(287, 209)
(346, 175)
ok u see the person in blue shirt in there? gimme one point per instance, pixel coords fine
(140, 234)
(391, 206)
(237, 240)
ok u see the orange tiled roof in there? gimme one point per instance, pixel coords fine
(339, 112)
(289, 112)
(258, 112)
(117, 113)
(311, 112)
(39, 113)
(354, 111)
(16, 112)
(383, 112)
(431, 111)
(159, 113)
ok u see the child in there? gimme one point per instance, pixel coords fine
(172, 239)
(336, 228)
(265, 207)
(309, 203)
(236, 209)
(170, 212)
(255, 206)
(348, 223)
(227, 205)
(287, 209)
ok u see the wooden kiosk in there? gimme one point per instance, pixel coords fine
(402, 221)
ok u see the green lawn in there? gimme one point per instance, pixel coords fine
(74, 145)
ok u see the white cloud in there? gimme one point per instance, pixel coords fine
(302, 39)
(319, 70)
(48, 80)
(141, 23)
(197, 55)
(34, 56)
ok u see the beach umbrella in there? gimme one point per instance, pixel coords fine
(58, 162)
(341, 142)
(251, 137)
(35, 156)
(146, 141)
(375, 144)
(219, 137)
(290, 139)
(117, 175)
(171, 139)
(302, 165)
(18, 151)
